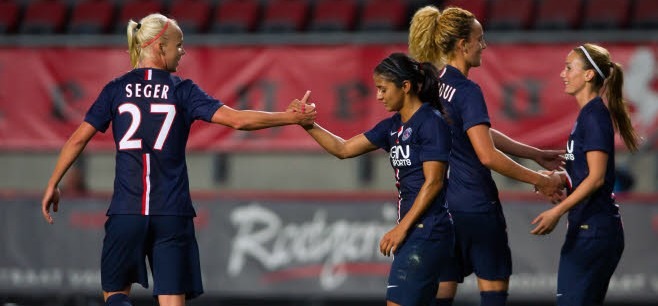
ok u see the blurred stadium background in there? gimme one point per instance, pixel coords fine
(281, 222)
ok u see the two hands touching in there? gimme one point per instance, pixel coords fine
(307, 112)
(552, 187)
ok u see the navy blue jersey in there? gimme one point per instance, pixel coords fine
(151, 112)
(593, 131)
(424, 137)
(471, 187)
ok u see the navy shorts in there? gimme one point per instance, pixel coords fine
(169, 244)
(413, 279)
(586, 266)
(482, 246)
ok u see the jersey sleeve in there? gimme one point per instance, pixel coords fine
(99, 114)
(197, 103)
(379, 136)
(473, 108)
(435, 140)
(599, 135)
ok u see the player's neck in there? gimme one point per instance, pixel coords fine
(149, 63)
(584, 97)
(409, 109)
(462, 66)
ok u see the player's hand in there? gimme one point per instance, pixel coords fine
(392, 240)
(546, 222)
(551, 159)
(307, 112)
(558, 196)
(50, 198)
(550, 184)
(301, 106)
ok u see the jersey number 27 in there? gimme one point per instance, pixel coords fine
(127, 142)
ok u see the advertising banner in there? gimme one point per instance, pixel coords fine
(45, 92)
(297, 248)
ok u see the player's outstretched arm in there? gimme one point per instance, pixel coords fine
(250, 120)
(495, 160)
(332, 143)
(338, 146)
(69, 153)
(549, 159)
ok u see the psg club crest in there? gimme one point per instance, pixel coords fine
(406, 134)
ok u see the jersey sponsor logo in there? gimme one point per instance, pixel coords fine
(400, 155)
(569, 155)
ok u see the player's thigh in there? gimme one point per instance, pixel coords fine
(585, 268)
(123, 259)
(484, 245)
(175, 257)
(413, 279)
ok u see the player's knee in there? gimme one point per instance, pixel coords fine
(171, 300)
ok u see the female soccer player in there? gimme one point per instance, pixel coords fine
(418, 142)
(454, 39)
(150, 215)
(595, 236)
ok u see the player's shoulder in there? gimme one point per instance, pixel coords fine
(596, 107)
(117, 81)
(467, 85)
(429, 115)
(427, 111)
(181, 83)
(455, 78)
(116, 84)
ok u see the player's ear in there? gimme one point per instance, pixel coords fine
(162, 49)
(462, 44)
(406, 86)
(589, 75)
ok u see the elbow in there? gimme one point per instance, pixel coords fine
(342, 155)
(77, 142)
(434, 187)
(598, 182)
(241, 125)
(487, 160)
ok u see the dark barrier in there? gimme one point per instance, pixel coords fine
(325, 249)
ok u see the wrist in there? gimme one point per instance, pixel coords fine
(535, 154)
(540, 180)
(560, 208)
(309, 127)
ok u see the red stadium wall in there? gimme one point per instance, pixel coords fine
(44, 93)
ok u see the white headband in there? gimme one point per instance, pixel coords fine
(592, 61)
